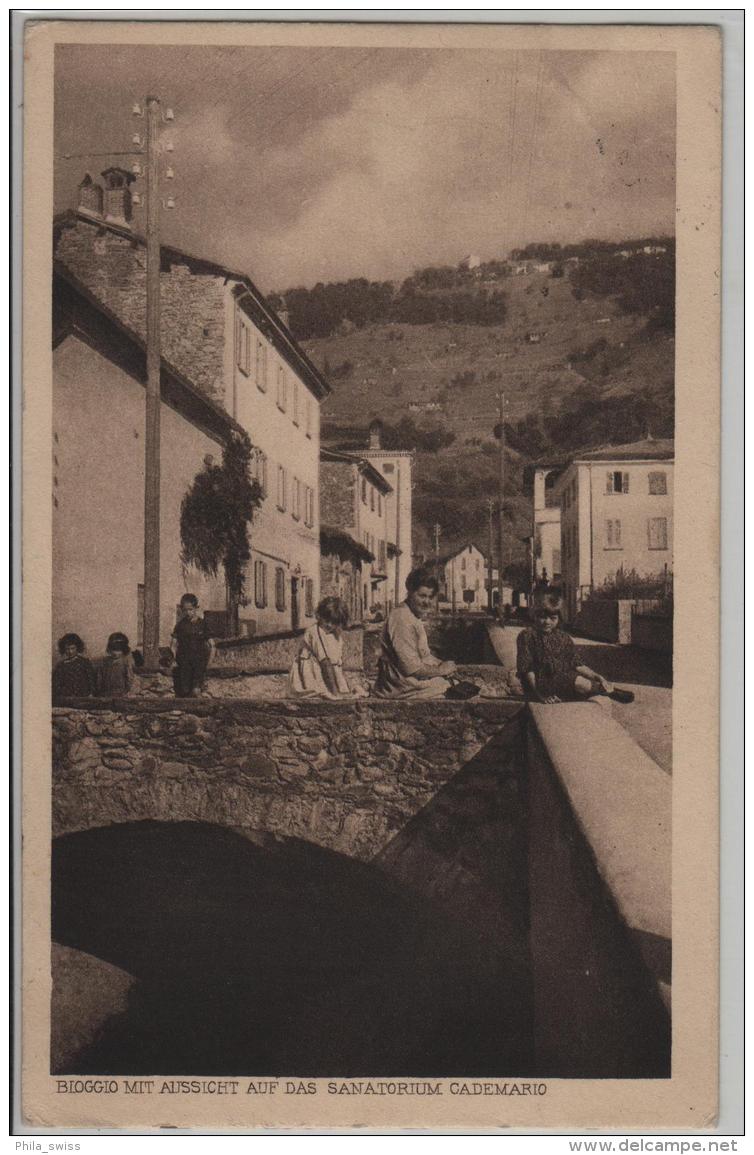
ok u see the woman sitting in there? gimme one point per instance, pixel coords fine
(407, 667)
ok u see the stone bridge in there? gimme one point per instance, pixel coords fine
(439, 886)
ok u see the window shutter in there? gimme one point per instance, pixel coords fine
(625, 483)
(609, 486)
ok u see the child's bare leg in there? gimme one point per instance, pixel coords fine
(588, 687)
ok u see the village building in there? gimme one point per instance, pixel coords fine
(545, 528)
(464, 580)
(354, 502)
(616, 514)
(236, 359)
(396, 466)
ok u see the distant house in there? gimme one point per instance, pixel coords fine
(464, 579)
(616, 513)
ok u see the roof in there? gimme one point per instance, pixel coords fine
(340, 457)
(77, 313)
(250, 298)
(649, 449)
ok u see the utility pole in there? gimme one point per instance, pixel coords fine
(501, 500)
(437, 548)
(152, 437)
(490, 507)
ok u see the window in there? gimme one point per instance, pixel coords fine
(282, 392)
(259, 470)
(260, 584)
(296, 499)
(295, 401)
(371, 497)
(279, 588)
(658, 532)
(243, 346)
(658, 483)
(262, 366)
(308, 506)
(388, 467)
(382, 555)
(379, 504)
(282, 488)
(612, 535)
(309, 597)
(364, 490)
(617, 482)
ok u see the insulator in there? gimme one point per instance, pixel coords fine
(136, 168)
(170, 203)
(136, 110)
(136, 139)
(169, 173)
(135, 198)
(169, 146)
(169, 114)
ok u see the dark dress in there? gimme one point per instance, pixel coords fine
(552, 657)
(73, 678)
(192, 655)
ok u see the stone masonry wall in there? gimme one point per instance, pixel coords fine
(276, 653)
(347, 777)
(113, 268)
(336, 494)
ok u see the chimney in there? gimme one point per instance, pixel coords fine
(91, 197)
(118, 195)
(375, 434)
(283, 313)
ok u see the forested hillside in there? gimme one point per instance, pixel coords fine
(579, 340)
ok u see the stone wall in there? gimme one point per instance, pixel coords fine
(345, 776)
(275, 652)
(337, 496)
(606, 619)
(651, 632)
(113, 268)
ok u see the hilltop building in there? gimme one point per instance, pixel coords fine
(616, 513)
(237, 366)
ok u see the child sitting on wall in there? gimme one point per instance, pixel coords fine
(318, 668)
(546, 659)
(73, 676)
(116, 670)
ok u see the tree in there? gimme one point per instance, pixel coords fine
(215, 517)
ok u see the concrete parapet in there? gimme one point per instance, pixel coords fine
(600, 893)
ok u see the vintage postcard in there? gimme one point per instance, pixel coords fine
(370, 517)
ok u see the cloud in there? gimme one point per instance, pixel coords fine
(306, 164)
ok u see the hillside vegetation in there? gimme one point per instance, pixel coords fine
(579, 340)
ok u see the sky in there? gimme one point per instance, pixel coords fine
(298, 165)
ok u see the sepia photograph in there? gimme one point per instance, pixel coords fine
(359, 649)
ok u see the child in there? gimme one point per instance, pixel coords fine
(318, 668)
(116, 670)
(73, 677)
(192, 646)
(547, 663)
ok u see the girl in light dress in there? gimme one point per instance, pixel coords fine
(318, 668)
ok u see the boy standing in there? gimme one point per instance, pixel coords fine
(192, 646)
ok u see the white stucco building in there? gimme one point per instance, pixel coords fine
(616, 507)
